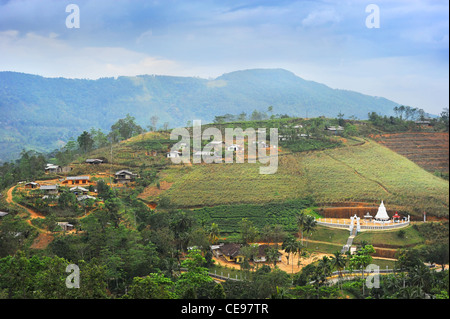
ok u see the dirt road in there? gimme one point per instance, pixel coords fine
(33, 214)
(44, 237)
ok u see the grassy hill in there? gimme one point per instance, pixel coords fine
(352, 172)
(368, 172)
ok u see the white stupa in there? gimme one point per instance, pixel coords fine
(382, 213)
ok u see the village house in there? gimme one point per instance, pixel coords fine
(51, 168)
(94, 161)
(50, 189)
(65, 225)
(76, 180)
(423, 123)
(232, 253)
(262, 252)
(124, 176)
(2, 214)
(31, 185)
(78, 190)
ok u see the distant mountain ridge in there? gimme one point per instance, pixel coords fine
(43, 113)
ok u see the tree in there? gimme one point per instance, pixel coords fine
(362, 258)
(191, 282)
(67, 199)
(218, 292)
(242, 117)
(181, 225)
(438, 253)
(213, 233)
(99, 138)
(153, 120)
(310, 225)
(290, 247)
(153, 286)
(324, 268)
(113, 207)
(103, 190)
(272, 255)
(340, 117)
(338, 261)
(301, 219)
(248, 231)
(125, 128)
(85, 142)
(443, 118)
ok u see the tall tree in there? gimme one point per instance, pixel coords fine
(338, 261)
(85, 142)
(125, 128)
(301, 219)
(248, 231)
(290, 247)
(213, 233)
(310, 225)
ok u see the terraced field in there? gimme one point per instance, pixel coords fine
(428, 150)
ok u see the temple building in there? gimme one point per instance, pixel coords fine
(382, 213)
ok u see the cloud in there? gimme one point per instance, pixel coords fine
(322, 17)
(53, 57)
(315, 39)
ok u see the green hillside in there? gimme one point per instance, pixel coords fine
(368, 173)
(362, 173)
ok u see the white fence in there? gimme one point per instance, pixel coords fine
(365, 225)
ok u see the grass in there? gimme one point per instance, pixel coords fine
(226, 184)
(331, 235)
(229, 271)
(368, 172)
(393, 238)
(229, 217)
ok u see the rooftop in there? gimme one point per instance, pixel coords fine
(77, 178)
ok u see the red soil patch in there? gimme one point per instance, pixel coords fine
(153, 191)
(42, 241)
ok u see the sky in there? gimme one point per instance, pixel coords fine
(405, 58)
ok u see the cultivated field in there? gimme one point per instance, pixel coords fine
(428, 150)
(364, 173)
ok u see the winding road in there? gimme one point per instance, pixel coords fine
(44, 237)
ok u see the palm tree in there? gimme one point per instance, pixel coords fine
(421, 276)
(325, 268)
(309, 225)
(272, 255)
(298, 251)
(213, 233)
(301, 219)
(290, 247)
(338, 261)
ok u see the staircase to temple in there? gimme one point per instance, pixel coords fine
(349, 241)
